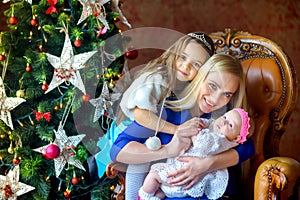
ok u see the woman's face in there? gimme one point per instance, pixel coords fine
(216, 91)
(190, 60)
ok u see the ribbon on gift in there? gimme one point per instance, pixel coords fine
(52, 8)
(39, 116)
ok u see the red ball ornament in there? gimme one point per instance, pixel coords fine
(33, 22)
(52, 151)
(86, 97)
(75, 180)
(2, 57)
(13, 20)
(67, 194)
(16, 161)
(28, 68)
(77, 43)
(45, 86)
(131, 54)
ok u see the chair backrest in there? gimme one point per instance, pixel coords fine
(271, 87)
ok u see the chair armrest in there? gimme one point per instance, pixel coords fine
(275, 175)
(113, 170)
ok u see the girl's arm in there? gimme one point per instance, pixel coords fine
(137, 153)
(149, 120)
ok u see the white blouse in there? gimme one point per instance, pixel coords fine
(144, 92)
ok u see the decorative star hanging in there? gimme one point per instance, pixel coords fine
(10, 187)
(29, 1)
(104, 103)
(93, 7)
(7, 104)
(66, 67)
(115, 8)
(66, 145)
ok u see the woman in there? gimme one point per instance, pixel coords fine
(219, 85)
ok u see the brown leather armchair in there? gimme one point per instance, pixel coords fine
(271, 86)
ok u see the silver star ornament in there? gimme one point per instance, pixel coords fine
(7, 104)
(6, 1)
(104, 103)
(11, 182)
(93, 6)
(65, 144)
(67, 65)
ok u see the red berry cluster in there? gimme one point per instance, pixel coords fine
(7, 191)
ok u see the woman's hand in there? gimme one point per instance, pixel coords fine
(193, 170)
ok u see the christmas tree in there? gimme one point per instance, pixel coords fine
(58, 75)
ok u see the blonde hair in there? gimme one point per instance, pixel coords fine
(166, 63)
(216, 63)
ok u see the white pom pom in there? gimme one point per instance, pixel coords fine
(153, 143)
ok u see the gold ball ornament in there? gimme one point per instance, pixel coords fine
(2, 136)
(20, 93)
(10, 150)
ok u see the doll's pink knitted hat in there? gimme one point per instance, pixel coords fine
(245, 124)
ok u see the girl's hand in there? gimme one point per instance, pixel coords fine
(195, 122)
(194, 169)
(181, 141)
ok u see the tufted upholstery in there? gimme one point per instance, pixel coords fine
(273, 177)
(271, 93)
(271, 88)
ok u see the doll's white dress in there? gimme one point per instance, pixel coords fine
(214, 184)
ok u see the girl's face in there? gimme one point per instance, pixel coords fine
(216, 91)
(229, 125)
(190, 60)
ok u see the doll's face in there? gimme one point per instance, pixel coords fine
(190, 60)
(229, 125)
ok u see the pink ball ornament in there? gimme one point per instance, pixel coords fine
(52, 151)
